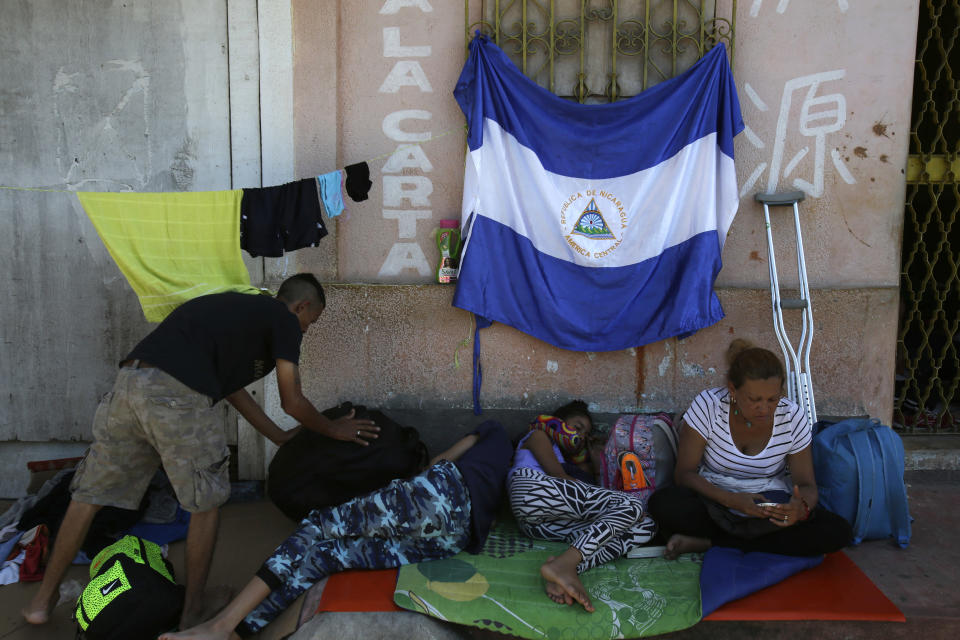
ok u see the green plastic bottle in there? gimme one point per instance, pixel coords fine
(448, 242)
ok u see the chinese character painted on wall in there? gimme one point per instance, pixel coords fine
(783, 4)
(819, 115)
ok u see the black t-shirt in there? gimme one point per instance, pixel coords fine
(220, 343)
(484, 468)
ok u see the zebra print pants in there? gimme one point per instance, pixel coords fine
(601, 523)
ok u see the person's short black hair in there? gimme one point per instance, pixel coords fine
(303, 286)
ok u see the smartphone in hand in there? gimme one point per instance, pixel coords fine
(773, 498)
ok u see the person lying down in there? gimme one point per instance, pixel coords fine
(549, 503)
(447, 508)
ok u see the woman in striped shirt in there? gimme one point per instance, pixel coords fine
(744, 475)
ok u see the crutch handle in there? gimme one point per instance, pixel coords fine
(785, 199)
(793, 303)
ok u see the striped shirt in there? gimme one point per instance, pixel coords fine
(709, 415)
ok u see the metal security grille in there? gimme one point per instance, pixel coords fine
(601, 50)
(928, 368)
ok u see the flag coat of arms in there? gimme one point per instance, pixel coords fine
(596, 227)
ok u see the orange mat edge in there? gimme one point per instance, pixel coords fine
(818, 587)
(360, 591)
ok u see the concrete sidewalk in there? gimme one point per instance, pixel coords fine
(921, 580)
(249, 532)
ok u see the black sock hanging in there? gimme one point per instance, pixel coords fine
(358, 181)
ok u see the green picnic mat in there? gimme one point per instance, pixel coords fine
(501, 589)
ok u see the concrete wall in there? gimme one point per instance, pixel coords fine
(819, 119)
(93, 96)
(216, 94)
(411, 340)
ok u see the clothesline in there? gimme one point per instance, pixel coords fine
(374, 159)
(37, 189)
(169, 254)
(407, 146)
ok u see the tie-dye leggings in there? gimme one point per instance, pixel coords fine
(424, 518)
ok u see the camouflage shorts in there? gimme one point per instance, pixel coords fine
(149, 419)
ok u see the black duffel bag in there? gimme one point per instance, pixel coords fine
(312, 470)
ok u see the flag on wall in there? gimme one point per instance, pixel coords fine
(596, 227)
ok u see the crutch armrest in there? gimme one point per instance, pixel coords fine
(784, 199)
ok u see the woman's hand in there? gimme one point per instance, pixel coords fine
(789, 513)
(747, 503)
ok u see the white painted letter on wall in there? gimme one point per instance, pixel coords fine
(410, 156)
(391, 125)
(406, 73)
(390, 7)
(405, 255)
(783, 4)
(407, 220)
(393, 49)
(406, 195)
(418, 194)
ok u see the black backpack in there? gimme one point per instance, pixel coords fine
(131, 595)
(311, 470)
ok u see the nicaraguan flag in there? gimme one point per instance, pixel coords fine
(596, 227)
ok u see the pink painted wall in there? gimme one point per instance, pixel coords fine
(825, 93)
(398, 67)
(833, 87)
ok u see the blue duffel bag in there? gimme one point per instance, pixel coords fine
(859, 469)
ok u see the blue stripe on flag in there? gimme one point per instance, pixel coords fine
(604, 140)
(505, 279)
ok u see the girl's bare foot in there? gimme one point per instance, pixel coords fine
(563, 583)
(555, 592)
(680, 544)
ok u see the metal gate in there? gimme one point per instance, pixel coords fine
(928, 368)
(595, 51)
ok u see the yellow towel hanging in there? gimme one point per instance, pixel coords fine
(172, 247)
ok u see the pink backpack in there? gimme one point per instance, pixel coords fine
(654, 441)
